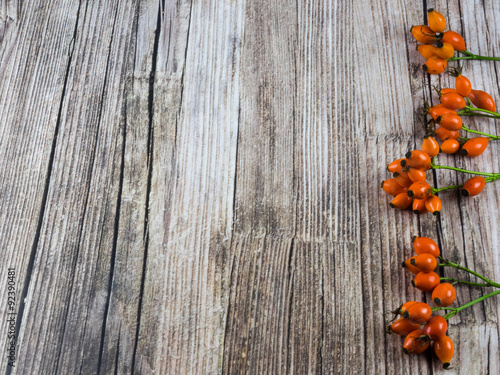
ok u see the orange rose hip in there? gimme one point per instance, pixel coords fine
(402, 327)
(425, 262)
(474, 147)
(419, 190)
(425, 245)
(426, 281)
(418, 312)
(430, 146)
(416, 342)
(433, 204)
(455, 39)
(417, 159)
(401, 201)
(444, 294)
(473, 186)
(435, 65)
(423, 34)
(436, 21)
(444, 350)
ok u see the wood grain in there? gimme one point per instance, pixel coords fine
(192, 187)
(33, 71)
(195, 132)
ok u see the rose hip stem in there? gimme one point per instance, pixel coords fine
(435, 166)
(490, 136)
(456, 281)
(471, 56)
(474, 111)
(447, 263)
(456, 310)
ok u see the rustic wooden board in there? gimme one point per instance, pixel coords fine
(193, 186)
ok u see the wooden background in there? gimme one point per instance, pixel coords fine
(193, 186)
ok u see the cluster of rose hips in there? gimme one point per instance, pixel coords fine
(410, 189)
(409, 186)
(414, 314)
(423, 265)
(447, 115)
(438, 46)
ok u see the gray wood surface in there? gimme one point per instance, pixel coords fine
(192, 187)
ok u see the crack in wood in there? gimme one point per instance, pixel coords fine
(44, 203)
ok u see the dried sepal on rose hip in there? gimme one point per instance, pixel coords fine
(416, 342)
(423, 34)
(409, 266)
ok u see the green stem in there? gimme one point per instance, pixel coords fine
(487, 179)
(434, 166)
(434, 191)
(447, 263)
(477, 114)
(472, 111)
(443, 308)
(471, 56)
(491, 179)
(455, 281)
(458, 309)
(491, 136)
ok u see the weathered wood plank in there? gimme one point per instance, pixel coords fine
(120, 333)
(9, 15)
(34, 55)
(258, 326)
(258, 321)
(68, 296)
(193, 186)
(191, 204)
